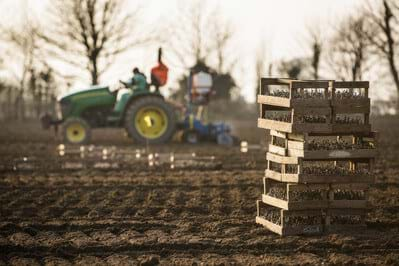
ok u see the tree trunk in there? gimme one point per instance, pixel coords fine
(391, 49)
(94, 71)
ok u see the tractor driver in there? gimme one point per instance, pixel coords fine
(137, 82)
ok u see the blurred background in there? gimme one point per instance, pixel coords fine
(50, 48)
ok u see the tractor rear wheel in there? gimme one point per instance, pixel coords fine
(76, 131)
(150, 120)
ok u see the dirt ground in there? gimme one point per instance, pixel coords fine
(133, 214)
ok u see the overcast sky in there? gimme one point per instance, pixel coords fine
(281, 24)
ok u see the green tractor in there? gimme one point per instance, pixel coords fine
(145, 114)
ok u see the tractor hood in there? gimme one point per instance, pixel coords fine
(84, 93)
(74, 104)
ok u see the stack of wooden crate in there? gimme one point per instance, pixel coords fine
(320, 157)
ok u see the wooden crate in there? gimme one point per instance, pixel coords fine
(278, 165)
(352, 87)
(285, 195)
(292, 145)
(281, 224)
(337, 220)
(295, 92)
(292, 122)
(314, 128)
(318, 179)
(331, 106)
(356, 196)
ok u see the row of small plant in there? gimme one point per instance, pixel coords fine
(340, 144)
(280, 192)
(311, 94)
(349, 120)
(316, 119)
(345, 194)
(273, 215)
(345, 219)
(329, 144)
(320, 170)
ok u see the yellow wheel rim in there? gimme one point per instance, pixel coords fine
(75, 132)
(151, 122)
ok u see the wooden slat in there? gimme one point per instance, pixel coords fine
(274, 125)
(352, 186)
(343, 211)
(352, 108)
(332, 154)
(306, 103)
(313, 128)
(348, 204)
(298, 205)
(296, 153)
(299, 145)
(290, 178)
(351, 84)
(340, 128)
(310, 84)
(326, 179)
(305, 178)
(305, 187)
(277, 150)
(273, 175)
(305, 110)
(269, 225)
(312, 212)
(353, 102)
(281, 159)
(297, 137)
(278, 134)
(275, 101)
(279, 203)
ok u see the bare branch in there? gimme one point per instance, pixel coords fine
(91, 33)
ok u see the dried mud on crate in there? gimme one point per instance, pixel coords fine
(320, 157)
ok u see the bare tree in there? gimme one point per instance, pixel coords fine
(221, 37)
(202, 34)
(294, 68)
(202, 38)
(350, 48)
(90, 34)
(188, 42)
(22, 49)
(315, 39)
(384, 35)
(260, 66)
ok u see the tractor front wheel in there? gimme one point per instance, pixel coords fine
(76, 131)
(150, 120)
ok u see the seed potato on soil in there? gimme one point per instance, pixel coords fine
(141, 216)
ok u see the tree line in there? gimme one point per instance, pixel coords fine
(363, 42)
(93, 35)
